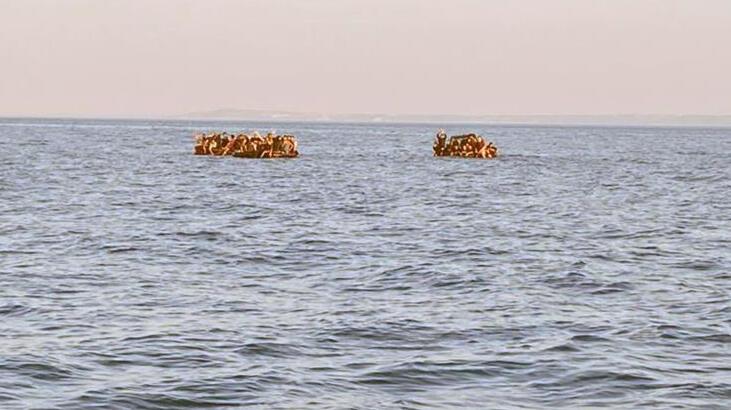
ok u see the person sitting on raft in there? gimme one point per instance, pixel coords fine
(267, 147)
(214, 145)
(230, 146)
(240, 149)
(288, 147)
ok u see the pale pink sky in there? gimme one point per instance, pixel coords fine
(166, 57)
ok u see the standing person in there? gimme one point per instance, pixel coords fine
(200, 148)
(439, 143)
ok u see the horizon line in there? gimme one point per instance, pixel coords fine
(456, 119)
(235, 113)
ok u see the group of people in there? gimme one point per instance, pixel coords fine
(247, 146)
(285, 146)
(468, 146)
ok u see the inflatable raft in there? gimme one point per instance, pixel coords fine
(246, 145)
(464, 146)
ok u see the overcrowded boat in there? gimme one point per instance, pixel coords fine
(246, 145)
(465, 146)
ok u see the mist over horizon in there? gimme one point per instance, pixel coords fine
(468, 58)
(439, 120)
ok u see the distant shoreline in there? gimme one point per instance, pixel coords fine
(673, 121)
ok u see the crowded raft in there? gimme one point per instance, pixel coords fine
(246, 145)
(466, 146)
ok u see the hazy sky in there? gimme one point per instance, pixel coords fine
(162, 57)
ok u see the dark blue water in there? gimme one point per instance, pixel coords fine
(584, 268)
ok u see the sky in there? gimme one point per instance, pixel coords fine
(148, 58)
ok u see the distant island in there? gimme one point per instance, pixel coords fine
(542, 119)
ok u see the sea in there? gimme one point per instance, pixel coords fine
(584, 268)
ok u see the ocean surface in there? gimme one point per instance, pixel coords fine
(587, 267)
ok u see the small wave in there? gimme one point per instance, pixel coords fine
(566, 347)
(38, 369)
(423, 375)
(148, 401)
(15, 309)
(17, 252)
(715, 338)
(599, 379)
(270, 349)
(582, 281)
(121, 249)
(697, 265)
(588, 339)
